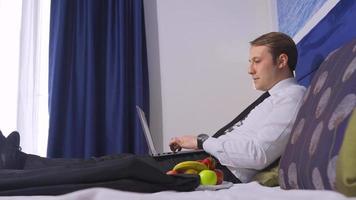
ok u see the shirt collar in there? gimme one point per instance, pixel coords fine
(281, 85)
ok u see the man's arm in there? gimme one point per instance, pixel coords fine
(186, 142)
(260, 140)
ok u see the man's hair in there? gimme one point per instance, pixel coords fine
(279, 43)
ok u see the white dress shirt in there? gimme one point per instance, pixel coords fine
(262, 137)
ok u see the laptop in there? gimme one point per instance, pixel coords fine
(150, 144)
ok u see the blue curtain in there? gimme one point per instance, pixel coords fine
(334, 30)
(97, 75)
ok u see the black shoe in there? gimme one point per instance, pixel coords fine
(14, 139)
(2, 139)
(10, 155)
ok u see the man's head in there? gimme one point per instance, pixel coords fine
(273, 57)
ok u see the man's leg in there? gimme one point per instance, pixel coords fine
(129, 172)
(165, 163)
(11, 156)
(37, 162)
(26, 174)
(30, 171)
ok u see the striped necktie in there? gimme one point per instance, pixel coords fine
(242, 115)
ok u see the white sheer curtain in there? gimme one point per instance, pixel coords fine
(32, 114)
(10, 18)
(32, 75)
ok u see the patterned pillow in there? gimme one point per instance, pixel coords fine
(309, 161)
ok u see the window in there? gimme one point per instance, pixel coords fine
(24, 71)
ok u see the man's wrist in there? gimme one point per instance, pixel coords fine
(201, 139)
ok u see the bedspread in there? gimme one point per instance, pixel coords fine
(248, 191)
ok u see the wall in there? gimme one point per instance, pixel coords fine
(198, 59)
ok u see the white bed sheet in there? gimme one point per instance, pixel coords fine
(249, 191)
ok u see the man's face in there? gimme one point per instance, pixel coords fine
(262, 68)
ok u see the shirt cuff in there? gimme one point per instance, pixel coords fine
(214, 147)
(211, 145)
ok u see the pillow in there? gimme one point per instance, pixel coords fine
(268, 176)
(346, 163)
(311, 155)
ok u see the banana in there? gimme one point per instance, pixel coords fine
(182, 166)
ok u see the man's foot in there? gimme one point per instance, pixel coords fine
(2, 139)
(14, 139)
(10, 155)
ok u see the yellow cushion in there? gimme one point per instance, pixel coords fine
(346, 163)
(269, 176)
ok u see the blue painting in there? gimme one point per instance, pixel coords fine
(294, 14)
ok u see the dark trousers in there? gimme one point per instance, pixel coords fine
(165, 163)
(139, 173)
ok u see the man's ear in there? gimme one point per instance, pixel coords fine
(282, 61)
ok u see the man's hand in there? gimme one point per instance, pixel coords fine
(186, 142)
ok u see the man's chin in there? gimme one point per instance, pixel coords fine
(256, 87)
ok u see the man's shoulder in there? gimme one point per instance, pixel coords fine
(293, 92)
(297, 89)
(292, 86)
(288, 85)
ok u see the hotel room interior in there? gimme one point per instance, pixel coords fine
(73, 71)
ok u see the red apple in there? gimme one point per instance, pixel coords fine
(210, 162)
(220, 176)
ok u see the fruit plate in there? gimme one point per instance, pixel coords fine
(223, 185)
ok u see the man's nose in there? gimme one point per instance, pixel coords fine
(251, 69)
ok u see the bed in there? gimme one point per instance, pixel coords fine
(249, 191)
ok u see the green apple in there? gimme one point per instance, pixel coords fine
(208, 177)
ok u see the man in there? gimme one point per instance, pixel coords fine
(254, 143)
(251, 142)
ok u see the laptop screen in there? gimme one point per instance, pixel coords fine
(146, 130)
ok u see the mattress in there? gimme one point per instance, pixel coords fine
(248, 191)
